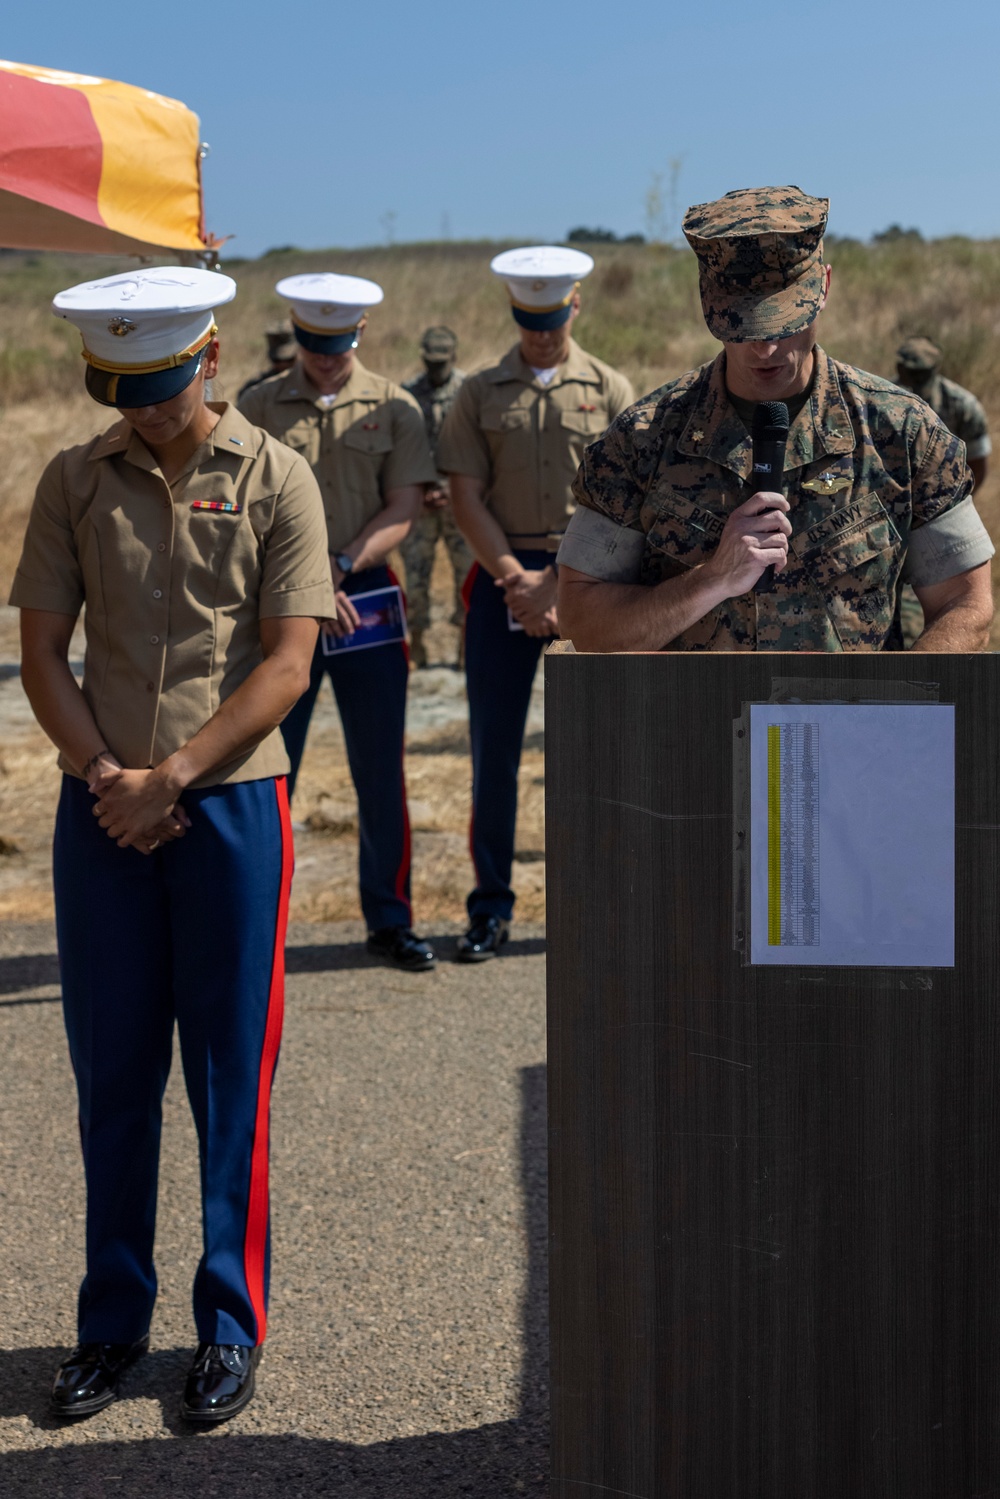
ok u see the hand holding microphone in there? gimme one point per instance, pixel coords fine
(754, 539)
(770, 434)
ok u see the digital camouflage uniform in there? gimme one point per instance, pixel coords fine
(419, 547)
(878, 487)
(917, 362)
(865, 467)
(918, 359)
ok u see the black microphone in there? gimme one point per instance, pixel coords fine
(770, 433)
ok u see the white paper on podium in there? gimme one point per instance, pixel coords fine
(852, 834)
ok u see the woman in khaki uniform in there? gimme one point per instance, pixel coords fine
(197, 545)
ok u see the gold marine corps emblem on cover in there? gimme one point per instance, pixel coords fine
(828, 484)
(119, 326)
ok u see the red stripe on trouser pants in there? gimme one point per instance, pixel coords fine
(467, 587)
(403, 872)
(255, 1243)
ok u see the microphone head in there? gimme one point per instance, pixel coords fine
(768, 416)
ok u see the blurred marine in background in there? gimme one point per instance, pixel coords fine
(364, 439)
(435, 390)
(512, 443)
(918, 366)
(281, 351)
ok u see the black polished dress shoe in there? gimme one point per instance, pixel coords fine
(484, 939)
(220, 1382)
(402, 948)
(88, 1380)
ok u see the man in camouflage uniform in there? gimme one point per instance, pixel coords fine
(435, 390)
(918, 366)
(668, 549)
(281, 352)
(918, 363)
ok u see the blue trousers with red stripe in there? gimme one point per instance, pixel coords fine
(194, 934)
(500, 666)
(370, 688)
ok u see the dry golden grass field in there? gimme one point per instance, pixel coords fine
(640, 313)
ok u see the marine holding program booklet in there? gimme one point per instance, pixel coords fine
(383, 620)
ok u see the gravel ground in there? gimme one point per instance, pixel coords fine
(407, 1343)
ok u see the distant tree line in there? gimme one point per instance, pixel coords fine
(895, 234)
(583, 236)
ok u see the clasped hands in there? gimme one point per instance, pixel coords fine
(137, 808)
(435, 497)
(530, 595)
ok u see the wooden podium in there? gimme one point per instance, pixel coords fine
(775, 1191)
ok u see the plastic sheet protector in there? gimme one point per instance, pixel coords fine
(852, 834)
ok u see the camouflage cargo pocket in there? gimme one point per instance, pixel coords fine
(855, 570)
(681, 532)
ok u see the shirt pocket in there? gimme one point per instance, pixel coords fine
(855, 569)
(577, 430)
(508, 430)
(220, 555)
(590, 423)
(365, 447)
(304, 438)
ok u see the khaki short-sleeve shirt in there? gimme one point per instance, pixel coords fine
(175, 579)
(525, 440)
(878, 488)
(370, 440)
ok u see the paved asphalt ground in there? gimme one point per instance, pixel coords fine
(407, 1342)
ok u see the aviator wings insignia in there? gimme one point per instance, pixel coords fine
(828, 484)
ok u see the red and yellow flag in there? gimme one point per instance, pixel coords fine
(89, 164)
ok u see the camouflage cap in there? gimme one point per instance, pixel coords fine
(438, 343)
(281, 343)
(760, 261)
(921, 355)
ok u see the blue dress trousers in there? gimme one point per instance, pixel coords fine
(194, 934)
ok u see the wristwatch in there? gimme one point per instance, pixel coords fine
(345, 563)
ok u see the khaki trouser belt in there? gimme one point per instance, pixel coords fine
(547, 543)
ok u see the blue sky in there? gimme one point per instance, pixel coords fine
(522, 120)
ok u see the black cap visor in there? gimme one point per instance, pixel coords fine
(326, 343)
(151, 389)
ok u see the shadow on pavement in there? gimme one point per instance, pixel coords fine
(505, 1457)
(335, 957)
(489, 1462)
(35, 970)
(28, 971)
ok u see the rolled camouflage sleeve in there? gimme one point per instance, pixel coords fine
(947, 537)
(605, 538)
(940, 477)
